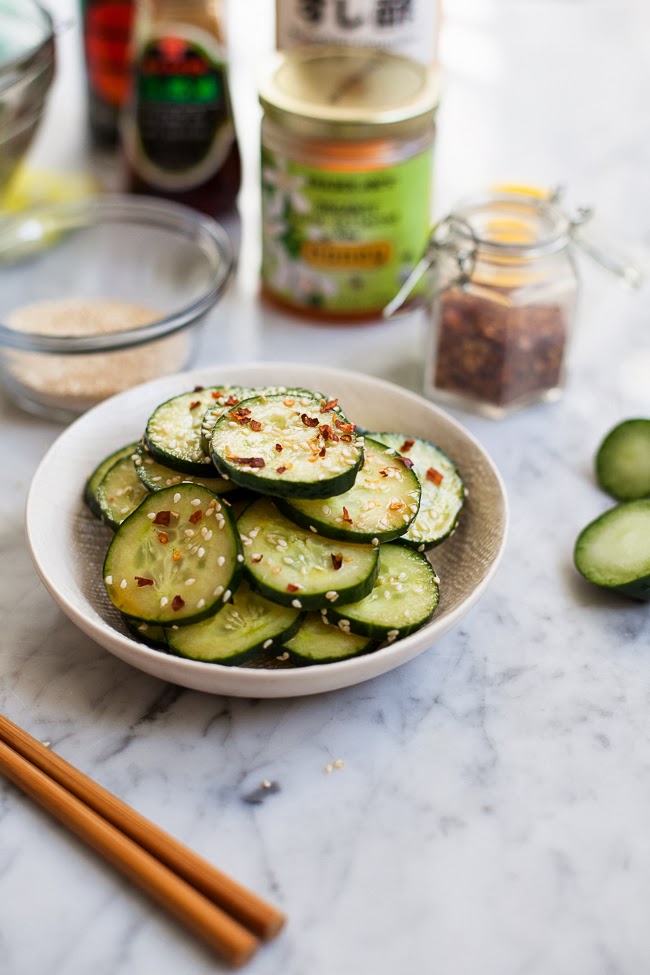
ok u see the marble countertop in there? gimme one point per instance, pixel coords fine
(491, 810)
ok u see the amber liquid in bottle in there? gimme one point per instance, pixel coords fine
(179, 136)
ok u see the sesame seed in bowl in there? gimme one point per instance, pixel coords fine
(100, 295)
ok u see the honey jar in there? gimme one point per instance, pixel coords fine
(347, 165)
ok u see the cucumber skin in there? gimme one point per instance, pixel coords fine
(608, 479)
(638, 589)
(93, 482)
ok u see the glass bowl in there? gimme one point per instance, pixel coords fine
(27, 56)
(102, 294)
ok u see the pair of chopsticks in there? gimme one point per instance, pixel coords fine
(227, 916)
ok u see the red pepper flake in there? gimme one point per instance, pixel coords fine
(337, 560)
(280, 470)
(278, 447)
(346, 516)
(162, 518)
(195, 516)
(231, 401)
(322, 452)
(177, 603)
(142, 581)
(406, 446)
(176, 556)
(346, 438)
(292, 588)
(327, 433)
(242, 415)
(197, 402)
(257, 558)
(406, 460)
(383, 473)
(199, 389)
(331, 403)
(256, 426)
(248, 461)
(309, 421)
(345, 427)
(435, 476)
(162, 537)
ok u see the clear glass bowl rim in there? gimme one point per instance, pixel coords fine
(202, 230)
(11, 71)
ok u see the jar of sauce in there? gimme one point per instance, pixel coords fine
(178, 134)
(347, 171)
(107, 26)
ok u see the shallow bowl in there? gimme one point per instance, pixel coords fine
(68, 544)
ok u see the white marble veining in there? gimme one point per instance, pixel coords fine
(491, 814)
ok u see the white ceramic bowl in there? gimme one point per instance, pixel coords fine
(68, 544)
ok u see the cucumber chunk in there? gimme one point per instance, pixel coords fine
(291, 445)
(319, 642)
(381, 504)
(623, 461)
(247, 625)
(120, 492)
(404, 597)
(295, 567)
(443, 492)
(176, 559)
(156, 476)
(173, 432)
(91, 485)
(613, 551)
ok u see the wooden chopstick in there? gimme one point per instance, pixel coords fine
(172, 873)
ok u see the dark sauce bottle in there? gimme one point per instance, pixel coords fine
(178, 134)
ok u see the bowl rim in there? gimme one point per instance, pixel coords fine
(9, 68)
(209, 235)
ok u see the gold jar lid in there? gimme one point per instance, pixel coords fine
(334, 92)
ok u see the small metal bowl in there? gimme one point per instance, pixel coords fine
(100, 295)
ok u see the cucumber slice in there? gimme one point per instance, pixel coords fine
(150, 633)
(232, 396)
(381, 504)
(247, 625)
(288, 446)
(156, 476)
(404, 597)
(613, 551)
(319, 642)
(623, 461)
(91, 485)
(120, 492)
(173, 432)
(176, 559)
(298, 568)
(443, 492)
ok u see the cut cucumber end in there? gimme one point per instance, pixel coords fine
(623, 461)
(613, 551)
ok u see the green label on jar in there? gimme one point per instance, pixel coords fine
(342, 242)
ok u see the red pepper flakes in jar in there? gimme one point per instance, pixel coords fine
(499, 333)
